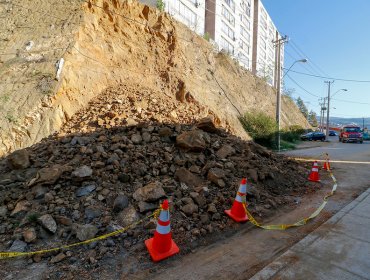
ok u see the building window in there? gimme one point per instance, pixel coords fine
(246, 8)
(263, 13)
(195, 2)
(231, 4)
(228, 16)
(188, 16)
(264, 23)
(271, 54)
(262, 53)
(245, 34)
(262, 43)
(227, 30)
(225, 45)
(244, 46)
(245, 21)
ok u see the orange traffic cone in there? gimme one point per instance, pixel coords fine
(314, 175)
(162, 246)
(237, 211)
(326, 165)
(327, 162)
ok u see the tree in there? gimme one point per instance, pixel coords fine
(302, 107)
(312, 119)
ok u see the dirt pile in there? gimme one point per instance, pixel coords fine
(103, 44)
(104, 171)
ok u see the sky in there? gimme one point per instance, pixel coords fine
(334, 35)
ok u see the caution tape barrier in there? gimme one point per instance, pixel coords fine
(8, 255)
(302, 221)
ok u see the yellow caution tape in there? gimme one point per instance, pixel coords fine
(7, 255)
(300, 222)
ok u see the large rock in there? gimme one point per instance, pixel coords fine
(194, 140)
(215, 175)
(83, 172)
(18, 246)
(128, 216)
(29, 235)
(85, 190)
(185, 176)
(49, 175)
(3, 211)
(145, 206)
(85, 232)
(189, 209)
(120, 203)
(206, 124)
(225, 151)
(21, 208)
(151, 192)
(19, 159)
(48, 223)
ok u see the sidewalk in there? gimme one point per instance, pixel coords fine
(338, 249)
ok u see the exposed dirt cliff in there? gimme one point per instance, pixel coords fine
(103, 44)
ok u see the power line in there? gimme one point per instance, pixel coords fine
(330, 78)
(305, 90)
(349, 101)
(313, 63)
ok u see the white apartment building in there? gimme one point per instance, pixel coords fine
(189, 12)
(242, 28)
(264, 51)
(230, 24)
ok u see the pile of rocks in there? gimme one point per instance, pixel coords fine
(104, 172)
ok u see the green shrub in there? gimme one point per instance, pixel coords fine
(261, 127)
(206, 36)
(160, 5)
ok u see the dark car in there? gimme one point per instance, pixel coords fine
(313, 136)
(332, 133)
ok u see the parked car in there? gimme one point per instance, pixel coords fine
(332, 133)
(313, 136)
(366, 136)
(351, 133)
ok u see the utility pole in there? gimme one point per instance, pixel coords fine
(328, 110)
(363, 124)
(278, 43)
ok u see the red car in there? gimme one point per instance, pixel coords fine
(350, 133)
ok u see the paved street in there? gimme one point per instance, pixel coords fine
(339, 249)
(337, 150)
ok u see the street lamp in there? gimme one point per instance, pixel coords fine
(327, 116)
(278, 99)
(303, 60)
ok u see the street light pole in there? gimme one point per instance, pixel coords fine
(327, 117)
(328, 109)
(278, 97)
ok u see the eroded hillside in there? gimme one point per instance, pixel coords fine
(104, 44)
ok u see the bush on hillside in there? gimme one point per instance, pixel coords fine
(261, 127)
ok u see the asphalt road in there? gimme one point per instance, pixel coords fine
(337, 151)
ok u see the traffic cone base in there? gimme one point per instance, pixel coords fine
(235, 217)
(314, 180)
(157, 256)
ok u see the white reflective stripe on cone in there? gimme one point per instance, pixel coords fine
(163, 229)
(315, 169)
(239, 198)
(243, 188)
(164, 216)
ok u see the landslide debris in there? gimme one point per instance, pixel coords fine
(116, 160)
